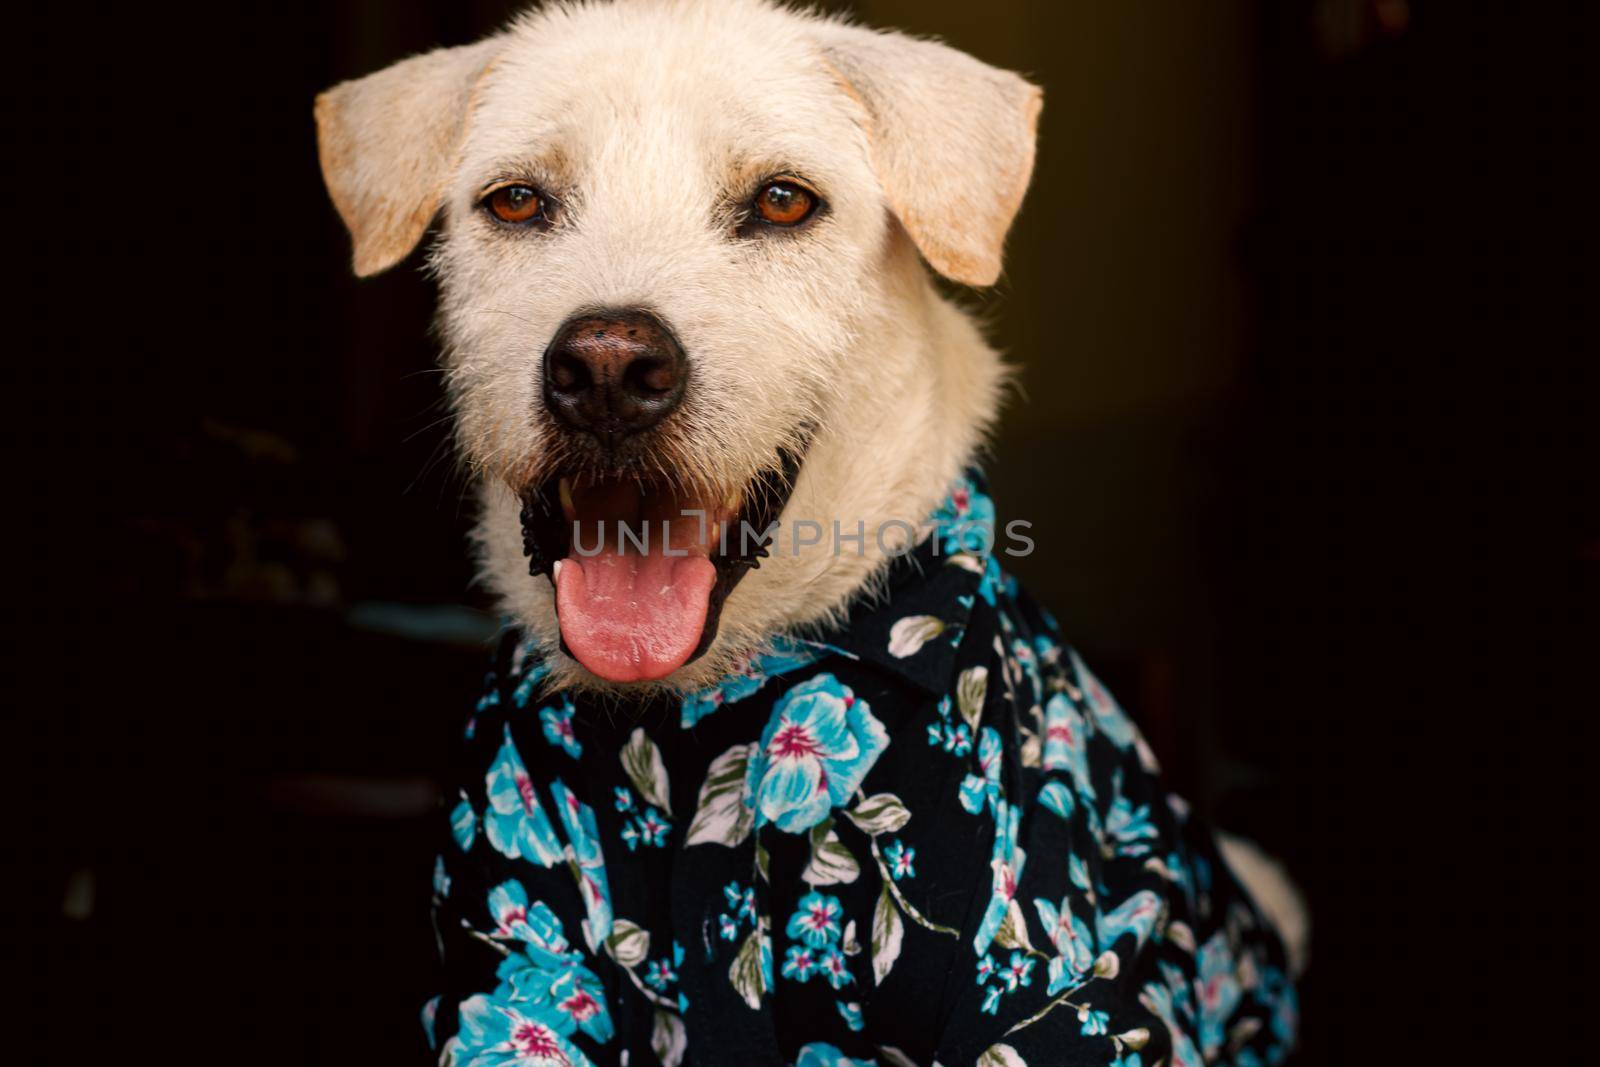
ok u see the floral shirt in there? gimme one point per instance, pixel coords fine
(930, 836)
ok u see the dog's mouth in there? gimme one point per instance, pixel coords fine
(641, 567)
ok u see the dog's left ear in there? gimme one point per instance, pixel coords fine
(952, 142)
(388, 144)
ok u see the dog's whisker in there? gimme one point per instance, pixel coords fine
(506, 312)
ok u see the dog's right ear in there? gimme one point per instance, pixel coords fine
(389, 144)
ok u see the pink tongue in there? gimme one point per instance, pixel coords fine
(632, 617)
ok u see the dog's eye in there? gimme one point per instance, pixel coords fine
(785, 203)
(518, 205)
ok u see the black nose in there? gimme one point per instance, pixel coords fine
(613, 373)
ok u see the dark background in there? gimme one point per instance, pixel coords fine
(1301, 300)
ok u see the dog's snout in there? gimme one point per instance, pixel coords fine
(613, 373)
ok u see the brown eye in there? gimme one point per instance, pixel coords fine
(516, 204)
(785, 203)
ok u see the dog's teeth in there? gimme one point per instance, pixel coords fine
(555, 570)
(567, 507)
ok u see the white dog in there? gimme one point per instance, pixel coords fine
(644, 133)
(685, 260)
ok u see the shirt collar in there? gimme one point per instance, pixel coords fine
(912, 625)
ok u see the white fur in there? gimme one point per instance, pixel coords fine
(651, 122)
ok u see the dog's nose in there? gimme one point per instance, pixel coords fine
(613, 373)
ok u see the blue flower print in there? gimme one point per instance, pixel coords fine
(901, 858)
(558, 728)
(489, 699)
(1137, 915)
(441, 878)
(949, 733)
(1131, 826)
(783, 656)
(677, 961)
(577, 818)
(742, 901)
(1066, 743)
(543, 977)
(1057, 798)
(1217, 990)
(1158, 999)
(528, 685)
(1006, 861)
(800, 963)
(964, 522)
(463, 822)
(1047, 649)
(1081, 914)
(816, 925)
(659, 974)
(533, 923)
(515, 821)
(1027, 664)
(560, 992)
(648, 828)
(1109, 718)
(1078, 872)
(822, 1054)
(816, 920)
(833, 966)
(1009, 977)
(1275, 988)
(496, 1033)
(954, 737)
(1018, 972)
(1175, 867)
(1179, 988)
(1073, 942)
(430, 1017)
(987, 968)
(817, 747)
(653, 828)
(1094, 1023)
(980, 790)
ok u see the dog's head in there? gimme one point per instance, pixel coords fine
(679, 274)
